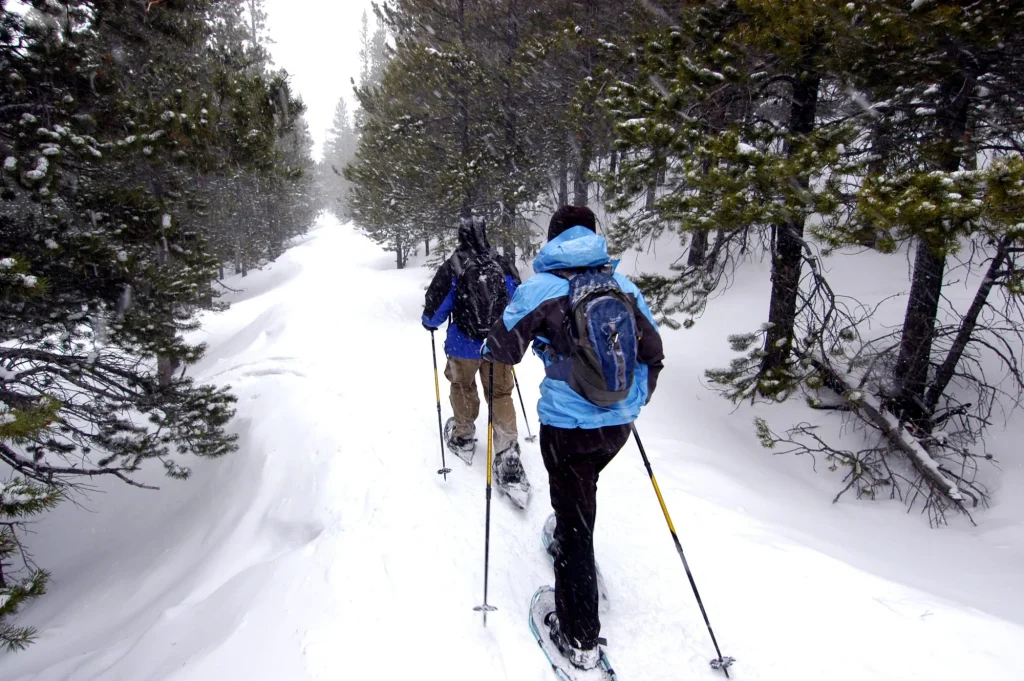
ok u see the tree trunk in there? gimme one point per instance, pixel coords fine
(914, 362)
(652, 194)
(426, 247)
(563, 182)
(509, 207)
(896, 433)
(698, 249)
(585, 136)
(788, 260)
(968, 324)
(165, 369)
(462, 97)
(580, 188)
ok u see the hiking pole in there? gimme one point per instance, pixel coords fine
(719, 662)
(487, 521)
(437, 392)
(530, 436)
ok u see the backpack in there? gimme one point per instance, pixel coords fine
(480, 296)
(603, 336)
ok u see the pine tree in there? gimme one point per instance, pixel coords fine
(20, 579)
(125, 128)
(942, 82)
(739, 106)
(339, 149)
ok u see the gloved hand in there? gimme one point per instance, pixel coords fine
(429, 328)
(485, 354)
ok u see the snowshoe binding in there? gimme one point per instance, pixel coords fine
(462, 447)
(547, 538)
(581, 658)
(568, 663)
(510, 476)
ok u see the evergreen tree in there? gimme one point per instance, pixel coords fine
(946, 82)
(124, 129)
(20, 578)
(339, 149)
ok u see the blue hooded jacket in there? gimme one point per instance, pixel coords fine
(456, 343)
(538, 313)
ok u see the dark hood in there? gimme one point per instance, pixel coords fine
(473, 236)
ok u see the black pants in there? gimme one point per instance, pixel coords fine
(574, 459)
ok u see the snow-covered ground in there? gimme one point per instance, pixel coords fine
(327, 548)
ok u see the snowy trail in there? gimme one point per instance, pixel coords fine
(327, 548)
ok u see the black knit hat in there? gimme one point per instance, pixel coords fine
(568, 217)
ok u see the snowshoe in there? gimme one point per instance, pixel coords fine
(510, 476)
(547, 538)
(566, 665)
(464, 448)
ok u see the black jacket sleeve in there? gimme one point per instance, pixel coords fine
(509, 346)
(650, 351)
(438, 290)
(509, 268)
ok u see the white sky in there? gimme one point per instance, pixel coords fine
(317, 42)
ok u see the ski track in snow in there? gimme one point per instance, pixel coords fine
(327, 548)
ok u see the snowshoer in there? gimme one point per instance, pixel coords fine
(602, 355)
(471, 290)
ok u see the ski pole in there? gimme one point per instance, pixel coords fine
(526, 419)
(485, 608)
(437, 392)
(719, 662)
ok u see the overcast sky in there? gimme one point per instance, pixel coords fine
(317, 42)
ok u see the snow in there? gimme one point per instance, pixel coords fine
(745, 149)
(39, 172)
(328, 548)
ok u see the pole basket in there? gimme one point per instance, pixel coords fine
(722, 664)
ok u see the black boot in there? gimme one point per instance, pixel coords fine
(462, 447)
(580, 658)
(510, 476)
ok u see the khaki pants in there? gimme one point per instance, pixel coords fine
(466, 401)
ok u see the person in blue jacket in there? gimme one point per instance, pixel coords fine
(577, 437)
(464, 362)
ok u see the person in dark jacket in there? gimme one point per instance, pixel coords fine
(464, 362)
(577, 437)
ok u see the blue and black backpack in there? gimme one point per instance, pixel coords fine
(603, 335)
